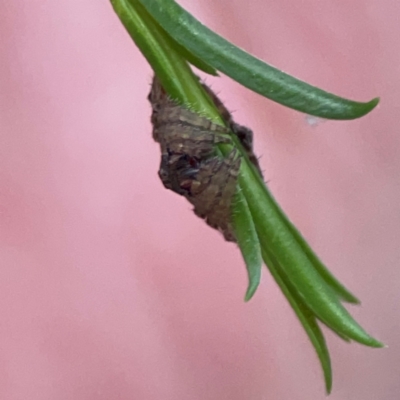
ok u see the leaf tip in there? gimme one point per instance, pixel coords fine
(373, 103)
(351, 299)
(377, 344)
(368, 107)
(251, 290)
(328, 386)
(372, 342)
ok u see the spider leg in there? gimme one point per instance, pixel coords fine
(244, 134)
(193, 141)
(175, 114)
(213, 190)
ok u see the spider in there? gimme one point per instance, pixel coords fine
(189, 163)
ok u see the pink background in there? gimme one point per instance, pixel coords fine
(110, 288)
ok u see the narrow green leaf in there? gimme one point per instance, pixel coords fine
(170, 67)
(248, 242)
(248, 70)
(328, 277)
(275, 235)
(190, 57)
(304, 314)
(276, 266)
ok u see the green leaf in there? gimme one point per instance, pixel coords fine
(325, 274)
(274, 234)
(189, 56)
(248, 70)
(304, 314)
(248, 242)
(170, 67)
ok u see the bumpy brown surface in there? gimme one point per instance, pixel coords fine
(189, 164)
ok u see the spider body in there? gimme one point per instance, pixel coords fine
(189, 163)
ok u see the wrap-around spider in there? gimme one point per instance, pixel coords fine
(189, 163)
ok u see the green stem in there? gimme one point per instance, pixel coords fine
(171, 69)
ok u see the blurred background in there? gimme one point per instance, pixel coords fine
(110, 288)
